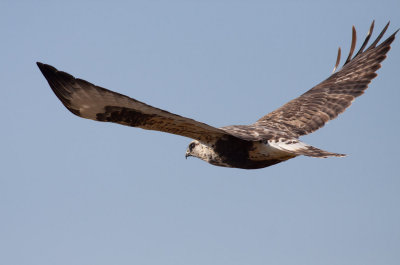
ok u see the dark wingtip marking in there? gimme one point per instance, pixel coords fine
(46, 69)
(387, 42)
(371, 29)
(373, 45)
(57, 80)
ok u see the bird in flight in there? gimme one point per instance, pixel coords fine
(272, 139)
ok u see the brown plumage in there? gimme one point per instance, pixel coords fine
(328, 99)
(272, 139)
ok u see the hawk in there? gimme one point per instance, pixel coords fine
(272, 139)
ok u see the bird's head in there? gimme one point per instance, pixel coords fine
(204, 152)
(200, 150)
(194, 149)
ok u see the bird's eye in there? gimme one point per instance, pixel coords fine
(191, 146)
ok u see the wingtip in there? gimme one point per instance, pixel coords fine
(42, 67)
(371, 28)
(39, 64)
(337, 60)
(46, 69)
(353, 44)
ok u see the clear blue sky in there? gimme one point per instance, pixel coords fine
(75, 191)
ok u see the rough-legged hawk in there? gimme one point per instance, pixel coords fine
(272, 139)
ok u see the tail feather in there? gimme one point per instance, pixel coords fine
(299, 148)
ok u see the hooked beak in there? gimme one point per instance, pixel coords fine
(187, 154)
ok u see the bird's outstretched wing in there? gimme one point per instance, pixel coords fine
(328, 99)
(96, 103)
